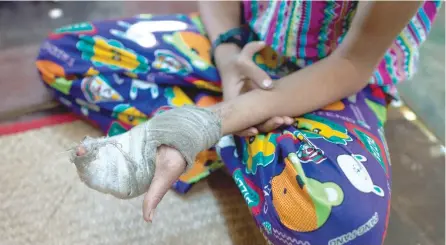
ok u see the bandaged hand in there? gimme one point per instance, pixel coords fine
(148, 158)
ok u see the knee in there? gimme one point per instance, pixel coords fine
(53, 61)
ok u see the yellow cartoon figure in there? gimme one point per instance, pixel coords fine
(259, 151)
(129, 114)
(177, 97)
(313, 126)
(303, 204)
(207, 85)
(111, 53)
(267, 58)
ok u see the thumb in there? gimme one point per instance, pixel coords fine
(251, 70)
(170, 164)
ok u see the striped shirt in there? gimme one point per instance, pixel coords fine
(307, 31)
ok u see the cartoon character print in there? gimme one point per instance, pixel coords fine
(97, 89)
(226, 142)
(268, 59)
(117, 128)
(195, 18)
(205, 162)
(176, 97)
(307, 151)
(83, 28)
(379, 110)
(258, 151)
(160, 110)
(336, 106)
(143, 32)
(382, 137)
(313, 127)
(357, 174)
(267, 226)
(128, 114)
(138, 85)
(168, 62)
(91, 72)
(372, 144)
(54, 75)
(252, 194)
(194, 46)
(111, 53)
(203, 100)
(206, 85)
(303, 204)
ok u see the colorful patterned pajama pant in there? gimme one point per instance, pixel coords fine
(324, 180)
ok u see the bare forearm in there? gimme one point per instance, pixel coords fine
(219, 16)
(301, 92)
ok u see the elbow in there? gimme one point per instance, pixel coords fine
(359, 74)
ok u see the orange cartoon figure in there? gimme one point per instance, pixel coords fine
(194, 46)
(303, 204)
(336, 106)
(54, 75)
(205, 162)
(207, 100)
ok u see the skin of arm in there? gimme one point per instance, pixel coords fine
(219, 17)
(343, 73)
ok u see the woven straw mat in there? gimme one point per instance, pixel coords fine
(43, 202)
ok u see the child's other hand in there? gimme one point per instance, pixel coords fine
(240, 75)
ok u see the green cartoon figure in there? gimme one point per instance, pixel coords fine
(259, 150)
(111, 53)
(313, 126)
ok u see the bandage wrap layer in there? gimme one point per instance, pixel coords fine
(124, 165)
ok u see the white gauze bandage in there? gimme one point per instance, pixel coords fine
(124, 165)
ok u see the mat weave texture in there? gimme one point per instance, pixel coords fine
(42, 201)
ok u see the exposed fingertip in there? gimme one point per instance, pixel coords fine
(148, 215)
(151, 213)
(80, 151)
